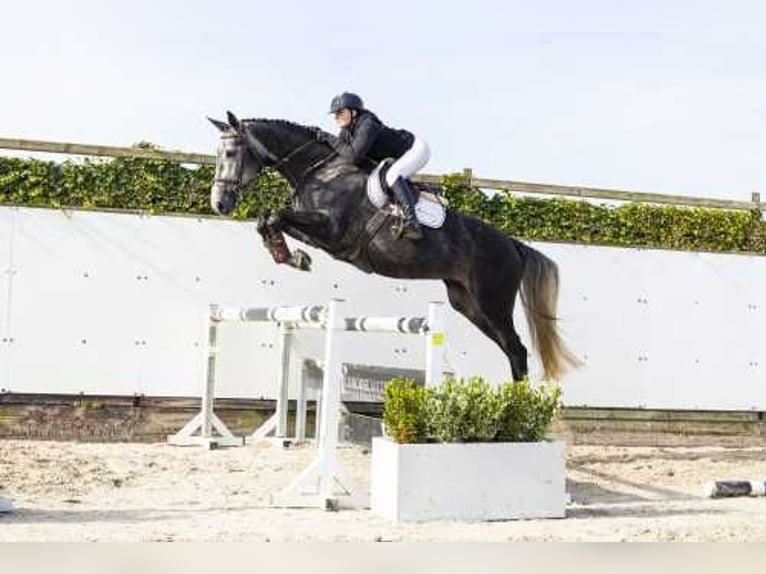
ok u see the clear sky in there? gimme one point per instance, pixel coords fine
(660, 96)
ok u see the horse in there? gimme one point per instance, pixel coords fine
(482, 268)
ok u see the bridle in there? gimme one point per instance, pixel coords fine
(264, 157)
(236, 182)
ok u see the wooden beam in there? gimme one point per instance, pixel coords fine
(506, 186)
(611, 194)
(108, 151)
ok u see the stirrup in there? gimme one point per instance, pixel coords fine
(400, 230)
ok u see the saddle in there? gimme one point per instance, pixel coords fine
(430, 205)
(430, 209)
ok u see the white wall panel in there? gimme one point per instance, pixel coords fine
(664, 329)
(7, 219)
(116, 304)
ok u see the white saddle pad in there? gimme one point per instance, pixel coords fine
(430, 209)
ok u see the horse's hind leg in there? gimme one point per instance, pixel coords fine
(514, 349)
(465, 302)
(495, 297)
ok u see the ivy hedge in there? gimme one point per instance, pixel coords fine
(165, 187)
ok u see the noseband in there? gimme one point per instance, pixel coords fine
(236, 182)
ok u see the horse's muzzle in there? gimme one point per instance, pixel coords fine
(222, 202)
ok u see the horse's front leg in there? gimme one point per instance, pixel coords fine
(270, 227)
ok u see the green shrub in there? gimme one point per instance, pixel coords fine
(404, 410)
(149, 185)
(624, 225)
(526, 412)
(469, 411)
(464, 411)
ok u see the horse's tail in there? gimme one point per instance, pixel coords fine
(539, 294)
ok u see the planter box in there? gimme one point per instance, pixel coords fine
(467, 481)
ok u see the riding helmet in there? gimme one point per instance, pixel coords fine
(346, 100)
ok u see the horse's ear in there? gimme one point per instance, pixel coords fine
(223, 126)
(233, 121)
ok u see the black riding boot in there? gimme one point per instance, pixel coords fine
(406, 199)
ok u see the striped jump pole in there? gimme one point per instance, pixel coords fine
(320, 484)
(431, 326)
(206, 429)
(296, 314)
(732, 488)
(289, 319)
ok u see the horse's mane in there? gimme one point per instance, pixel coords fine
(308, 130)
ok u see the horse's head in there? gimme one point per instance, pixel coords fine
(248, 146)
(236, 165)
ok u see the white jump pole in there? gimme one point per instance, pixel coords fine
(329, 405)
(296, 314)
(333, 378)
(324, 476)
(301, 407)
(206, 421)
(435, 338)
(285, 340)
(277, 423)
(208, 397)
(732, 488)
(290, 319)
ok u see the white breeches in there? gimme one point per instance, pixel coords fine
(412, 160)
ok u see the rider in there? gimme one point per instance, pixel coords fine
(363, 135)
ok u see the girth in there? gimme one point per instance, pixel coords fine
(356, 249)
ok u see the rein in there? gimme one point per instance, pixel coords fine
(266, 158)
(261, 151)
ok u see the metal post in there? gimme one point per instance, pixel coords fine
(206, 421)
(332, 382)
(434, 343)
(285, 336)
(468, 175)
(209, 394)
(324, 476)
(300, 406)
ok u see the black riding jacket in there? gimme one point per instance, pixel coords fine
(368, 137)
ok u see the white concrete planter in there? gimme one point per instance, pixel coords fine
(467, 481)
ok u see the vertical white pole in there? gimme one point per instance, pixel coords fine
(331, 385)
(210, 351)
(318, 417)
(285, 336)
(324, 475)
(300, 407)
(435, 343)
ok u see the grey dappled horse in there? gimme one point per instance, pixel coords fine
(482, 267)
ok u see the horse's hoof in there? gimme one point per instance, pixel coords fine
(300, 260)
